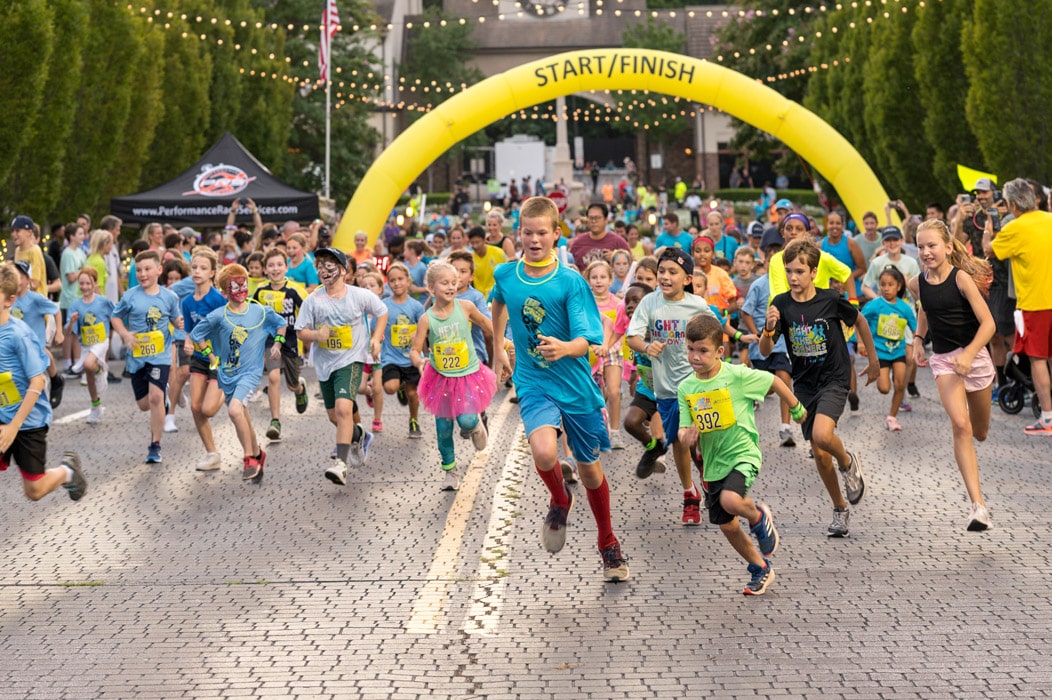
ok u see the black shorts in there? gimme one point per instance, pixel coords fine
(200, 366)
(775, 362)
(646, 404)
(29, 452)
(829, 401)
(181, 358)
(733, 482)
(289, 366)
(1002, 308)
(410, 375)
(889, 363)
(147, 375)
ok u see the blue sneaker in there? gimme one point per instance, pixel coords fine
(761, 578)
(765, 531)
(153, 456)
(366, 441)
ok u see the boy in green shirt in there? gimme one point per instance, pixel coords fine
(716, 412)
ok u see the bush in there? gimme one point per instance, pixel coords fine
(801, 197)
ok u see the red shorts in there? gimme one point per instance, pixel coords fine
(1036, 340)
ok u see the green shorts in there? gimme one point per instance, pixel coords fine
(341, 384)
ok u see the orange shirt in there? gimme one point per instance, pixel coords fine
(721, 290)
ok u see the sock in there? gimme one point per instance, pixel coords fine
(96, 403)
(1046, 417)
(342, 450)
(553, 479)
(650, 445)
(156, 443)
(599, 502)
(69, 474)
(786, 426)
(1000, 375)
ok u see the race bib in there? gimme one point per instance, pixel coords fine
(339, 338)
(273, 298)
(150, 344)
(402, 335)
(450, 356)
(891, 327)
(626, 352)
(92, 335)
(9, 395)
(712, 410)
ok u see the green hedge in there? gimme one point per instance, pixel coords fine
(801, 197)
(433, 199)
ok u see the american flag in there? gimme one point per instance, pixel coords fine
(330, 24)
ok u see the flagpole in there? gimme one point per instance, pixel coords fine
(328, 104)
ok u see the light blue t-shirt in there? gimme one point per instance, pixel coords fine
(98, 311)
(666, 321)
(418, 273)
(682, 240)
(147, 313)
(559, 305)
(182, 289)
(885, 323)
(32, 309)
(304, 272)
(756, 306)
(401, 321)
(239, 340)
(24, 358)
(477, 338)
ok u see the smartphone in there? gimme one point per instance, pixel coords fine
(995, 218)
(966, 198)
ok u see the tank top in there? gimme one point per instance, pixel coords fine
(950, 317)
(842, 252)
(452, 352)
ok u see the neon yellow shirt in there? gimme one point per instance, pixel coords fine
(1027, 242)
(829, 268)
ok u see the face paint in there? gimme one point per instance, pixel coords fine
(237, 289)
(328, 271)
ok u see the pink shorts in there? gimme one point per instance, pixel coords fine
(980, 377)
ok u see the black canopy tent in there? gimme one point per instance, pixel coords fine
(202, 195)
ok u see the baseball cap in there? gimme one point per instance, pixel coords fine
(679, 257)
(334, 253)
(984, 184)
(23, 221)
(24, 267)
(890, 232)
(755, 230)
(771, 237)
(783, 204)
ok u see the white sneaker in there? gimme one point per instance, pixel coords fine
(479, 436)
(616, 443)
(979, 518)
(169, 424)
(337, 473)
(450, 480)
(210, 463)
(95, 414)
(83, 378)
(659, 465)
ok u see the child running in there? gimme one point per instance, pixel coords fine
(810, 319)
(610, 363)
(554, 320)
(454, 385)
(889, 315)
(25, 414)
(333, 317)
(372, 376)
(400, 376)
(950, 289)
(142, 319)
(286, 302)
(36, 310)
(205, 395)
(237, 334)
(89, 320)
(716, 411)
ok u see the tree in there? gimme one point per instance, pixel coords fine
(651, 112)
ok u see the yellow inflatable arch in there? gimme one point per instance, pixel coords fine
(606, 69)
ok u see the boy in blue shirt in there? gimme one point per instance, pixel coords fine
(34, 309)
(142, 318)
(554, 320)
(24, 412)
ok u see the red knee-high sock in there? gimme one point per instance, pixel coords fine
(553, 479)
(599, 501)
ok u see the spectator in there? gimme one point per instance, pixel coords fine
(596, 243)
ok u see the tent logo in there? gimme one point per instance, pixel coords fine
(220, 181)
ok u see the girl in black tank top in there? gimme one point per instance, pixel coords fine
(950, 288)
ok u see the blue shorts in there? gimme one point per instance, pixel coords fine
(668, 409)
(239, 389)
(585, 432)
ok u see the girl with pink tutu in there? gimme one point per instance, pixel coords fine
(454, 385)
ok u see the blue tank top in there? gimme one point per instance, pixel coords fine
(842, 252)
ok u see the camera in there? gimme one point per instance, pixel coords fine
(966, 198)
(995, 218)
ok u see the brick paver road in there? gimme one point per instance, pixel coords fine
(168, 583)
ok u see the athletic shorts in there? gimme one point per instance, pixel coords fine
(733, 482)
(889, 363)
(200, 366)
(613, 358)
(289, 366)
(585, 432)
(1036, 340)
(29, 452)
(829, 401)
(181, 358)
(775, 362)
(239, 390)
(343, 383)
(409, 375)
(147, 375)
(1002, 308)
(669, 411)
(644, 403)
(981, 375)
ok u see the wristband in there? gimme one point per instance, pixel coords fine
(230, 228)
(279, 339)
(206, 351)
(798, 411)
(737, 336)
(769, 333)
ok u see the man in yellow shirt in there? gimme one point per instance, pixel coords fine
(23, 231)
(487, 257)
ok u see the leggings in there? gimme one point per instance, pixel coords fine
(444, 431)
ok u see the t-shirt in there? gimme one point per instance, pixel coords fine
(72, 261)
(722, 409)
(755, 304)
(195, 310)
(829, 268)
(681, 240)
(33, 309)
(815, 339)
(721, 290)
(93, 319)
(418, 274)
(286, 302)
(725, 247)
(559, 305)
(484, 267)
(868, 247)
(666, 321)
(905, 264)
(1027, 241)
(401, 327)
(149, 316)
(21, 359)
(346, 316)
(586, 249)
(99, 263)
(644, 368)
(888, 321)
(304, 273)
(37, 269)
(477, 336)
(239, 340)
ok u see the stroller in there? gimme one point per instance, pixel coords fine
(1012, 396)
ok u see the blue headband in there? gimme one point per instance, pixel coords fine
(800, 217)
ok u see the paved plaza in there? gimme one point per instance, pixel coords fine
(168, 583)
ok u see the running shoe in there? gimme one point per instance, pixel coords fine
(253, 469)
(1039, 427)
(153, 455)
(838, 528)
(911, 389)
(302, 398)
(785, 435)
(615, 564)
(691, 509)
(402, 398)
(553, 531)
(616, 442)
(77, 487)
(765, 531)
(210, 462)
(760, 577)
(892, 424)
(854, 482)
(414, 429)
(659, 465)
(367, 440)
(378, 425)
(274, 431)
(57, 386)
(480, 436)
(169, 424)
(646, 464)
(979, 518)
(95, 414)
(905, 407)
(450, 478)
(337, 473)
(569, 469)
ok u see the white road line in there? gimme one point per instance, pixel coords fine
(429, 607)
(72, 417)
